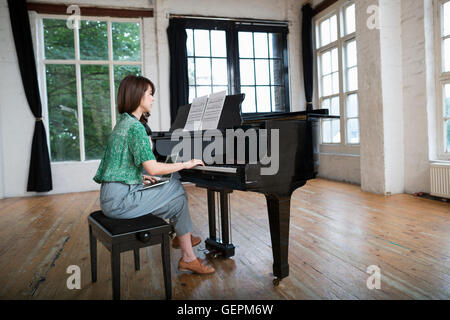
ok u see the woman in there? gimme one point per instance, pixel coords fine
(120, 172)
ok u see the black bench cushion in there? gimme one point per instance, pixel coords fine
(121, 226)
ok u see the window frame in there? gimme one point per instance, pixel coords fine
(77, 62)
(442, 78)
(231, 28)
(338, 9)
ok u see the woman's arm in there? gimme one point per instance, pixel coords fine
(155, 168)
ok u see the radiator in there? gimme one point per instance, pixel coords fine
(440, 180)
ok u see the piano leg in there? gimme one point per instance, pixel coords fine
(221, 247)
(211, 214)
(278, 208)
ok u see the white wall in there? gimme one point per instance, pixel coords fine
(17, 122)
(396, 89)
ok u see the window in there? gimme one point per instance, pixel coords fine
(81, 70)
(337, 67)
(443, 112)
(239, 58)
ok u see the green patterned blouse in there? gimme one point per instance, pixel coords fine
(128, 147)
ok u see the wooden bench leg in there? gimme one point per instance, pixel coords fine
(136, 260)
(165, 252)
(115, 272)
(93, 251)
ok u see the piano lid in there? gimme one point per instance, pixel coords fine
(230, 117)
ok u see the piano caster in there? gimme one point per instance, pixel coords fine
(276, 282)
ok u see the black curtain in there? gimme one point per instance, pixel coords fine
(40, 175)
(179, 86)
(307, 50)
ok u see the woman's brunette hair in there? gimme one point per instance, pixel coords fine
(131, 90)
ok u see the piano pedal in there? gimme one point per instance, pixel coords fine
(216, 249)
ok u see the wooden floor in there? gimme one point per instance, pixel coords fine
(336, 232)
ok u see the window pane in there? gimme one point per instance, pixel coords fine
(219, 71)
(350, 26)
(278, 99)
(201, 39)
(326, 103)
(263, 99)
(446, 55)
(191, 93)
(218, 43)
(126, 38)
(335, 83)
(96, 109)
(275, 45)
(325, 33)
(448, 136)
(353, 131)
(352, 106)
(203, 91)
(276, 72)
(58, 40)
(334, 60)
(121, 72)
(63, 114)
(247, 72)
(336, 131)
(335, 111)
(220, 88)
(447, 100)
(245, 45)
(93, 40)
(190, 42)
(352, 79)
(249, 104)
(326, 131)
(326, 85)
(262, 72)
(203, 70)
(446, 17)
(333, 28)
(261, 49)
(326, 63)
(351, 54)
(191, 71)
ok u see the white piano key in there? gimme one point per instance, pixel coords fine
(216, 169)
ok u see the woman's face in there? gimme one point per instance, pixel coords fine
(147, 100)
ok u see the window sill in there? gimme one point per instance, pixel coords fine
(62, 163)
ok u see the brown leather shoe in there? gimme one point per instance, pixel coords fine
(194, 240)
(196, 266)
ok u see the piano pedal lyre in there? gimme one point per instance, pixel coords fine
(219, 246)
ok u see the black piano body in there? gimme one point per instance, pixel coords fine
(298, 135)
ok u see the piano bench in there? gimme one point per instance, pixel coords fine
(120, 235)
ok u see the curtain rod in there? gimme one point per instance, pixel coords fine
(243, 20)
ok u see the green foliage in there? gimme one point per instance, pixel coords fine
(63, 115)
(93, 40)
(95, 83)
(58, 40)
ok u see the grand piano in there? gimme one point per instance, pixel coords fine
(298, 162)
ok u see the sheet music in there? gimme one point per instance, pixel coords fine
(213, 110)
(194, 120)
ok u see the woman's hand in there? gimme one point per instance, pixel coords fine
(193, 163)
(149, 179)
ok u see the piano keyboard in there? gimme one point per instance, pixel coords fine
(216, 169)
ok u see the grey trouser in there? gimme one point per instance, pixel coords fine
(167, 201)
